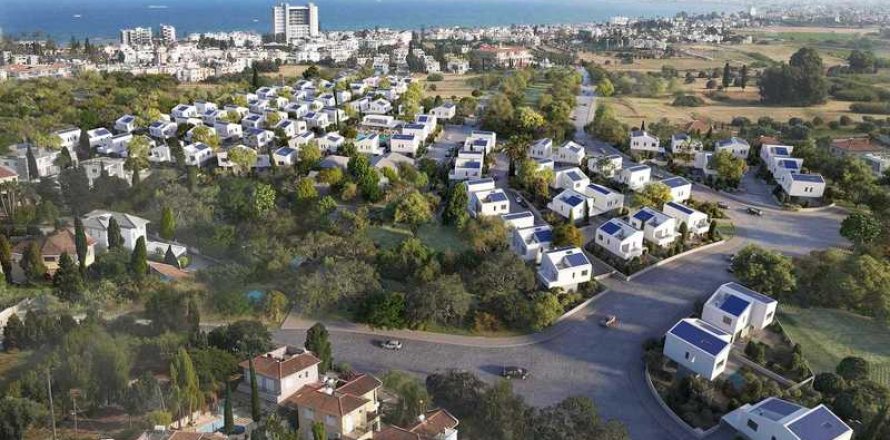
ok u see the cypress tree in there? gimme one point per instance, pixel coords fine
(228, 417)
(193, 316)
(115, 239)
(67, 281)
(727, 74)
(254, 394)
(168, 224)
(317, 341)
(33, 173)
(134, 180)
(6, 258)
(170, 257)
(80, 242)
(13, 333)
(32, 263)
(139, 259)
(744, 80)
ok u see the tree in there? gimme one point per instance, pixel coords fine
(67, 280)
(861, 61)
(575, 418)
(829, 384)
(228, 417)
(254, 394)
(33, 171)
(727, 76)
(139, 259)
(545, 310)
(412, 397)
(275, 305)
(861, 228)
(764, 271)
(243, 338)
(318, 431)
(305, 192)
(16, 416)
(443, 301)
(32, 263)
(243, 158)
(203, 135)
(13, 333)
(729, 168)
(185, 385)
(80, 243)
(567, 235)
(528, 120)
(309, 156)
(853, 369)
(455, 212)
(413, 209)
(801, 82)
(137, 155)
(385, 310)
(744, 79)
(115, 238)
(506, 415)
(168, 224)
(317, 341)
(653, 195)
(6, 258)
(254, 80)
(605, 88)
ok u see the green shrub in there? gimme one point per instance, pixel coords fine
(881, 108)
(688, 101)
(435, 77)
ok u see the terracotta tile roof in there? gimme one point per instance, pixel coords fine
(54, 244)
(768, 140)
(860, 144)
(7, 173)
(169, 271)
(434, 423)
(361, 385)
(275, 368)
(334, 403)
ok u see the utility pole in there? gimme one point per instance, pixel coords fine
(52, 414)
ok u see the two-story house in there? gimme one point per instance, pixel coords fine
(96, 222)
(738, 310)
(280, 373)
(698, 347)
(541, 149)
(570, 178)
(777, 419)
(737, 146)
(658, 228)
(620, 239)
(570, 153)
(635, 177)
(348, 409)
(601, 199)
(696, 221)
(565, 268)
(681, 189)
(530, 243)
(641, 140)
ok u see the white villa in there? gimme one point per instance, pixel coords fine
(682, 143)
(696, 221)
(681, 189)
(606, 166)
(658, 228)
(404, 143)
(737, 146)
(738, 310)
(368, 143)
(565, 268)
(467, 165)
(569, 204)
(635, 177)
(777, 419)
(570, 153)
(95, 224)
(601, 199)
(699, 347)
(541, 149)
(802, 185)
(570, 178)
(620, 238)
(531, 242)
(643, 141)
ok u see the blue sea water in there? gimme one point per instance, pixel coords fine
(104, 18)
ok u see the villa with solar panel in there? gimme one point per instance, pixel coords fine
(569, 204)
(658, 228)
(570, 153)
(565, 268)
(738, 310)
(698, 347)
(696, 221)
(788, 172)
(541, 149)
(777, 419)
(681, 189)
(570, 178)
(641, 140)
(635, 177)
(620, 239)
(531, 243)
(602, 200)
(125, 124)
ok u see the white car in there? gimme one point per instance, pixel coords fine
(392, 344)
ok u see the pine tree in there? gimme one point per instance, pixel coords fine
(64, 161)
(228, 417)
(139, 259)
(115, 238)
(193, 316)
(727, 76)
(80, 243)
(318, 342)
(744, 80)
(67, 281)
(13, 333)
(254, 394)
(6, 258)
(33, 173)
(170, 257)
(32, 263)
(168, 224)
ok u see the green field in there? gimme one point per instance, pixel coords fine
(438, 237)
(829, 335)
(534, 92)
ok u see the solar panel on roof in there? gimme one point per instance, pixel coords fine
(575, 260)
(779, 407)
(819, 424)
(497, 197)
(734, 305)
(815, 178)
(789, 164)
(644, 216)
(699, 338)
(681, 208)
(544, 236)
(599, 189)
(574, 175)
(573, 200)
(610, 228)
(781, 151)
(675, 182)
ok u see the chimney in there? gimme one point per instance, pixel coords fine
(421, 418)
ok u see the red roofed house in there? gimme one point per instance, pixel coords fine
(8, 175)
(433, 425)
(348, 409)
(505, 56)
(281, 372)
(856, 146)
(51, 249)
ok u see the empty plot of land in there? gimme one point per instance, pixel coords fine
(827, 336)
(452, 85)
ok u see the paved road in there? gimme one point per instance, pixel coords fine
(577, 356)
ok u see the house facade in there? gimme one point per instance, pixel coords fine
(699, 347)
(564, 268)
(777, 419)
(738, 310)
(620, 239)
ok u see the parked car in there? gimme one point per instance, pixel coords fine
(609, 321)
(723, 205)
(520, 201)
(392, 344)
(755, 211)
(515, 373)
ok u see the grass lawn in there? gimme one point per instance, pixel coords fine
(534, 92)
(439, 237)
(287, 71)
(452, 85)
(9, 362)
(726, 229)
(829, 335)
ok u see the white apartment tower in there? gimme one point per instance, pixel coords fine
(168, 34)
(136, 36)
(295, 22)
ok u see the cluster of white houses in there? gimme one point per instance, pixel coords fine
(702, 347)
(301, 113)
(786, 170)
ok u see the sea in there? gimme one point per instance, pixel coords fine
(103, 19)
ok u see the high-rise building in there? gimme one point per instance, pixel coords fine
(293, 22)
(168, 34)
(136, 37)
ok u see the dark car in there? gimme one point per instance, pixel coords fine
(755, 211)
(514, 373)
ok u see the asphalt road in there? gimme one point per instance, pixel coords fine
(577, 356)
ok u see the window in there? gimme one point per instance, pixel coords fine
(727, 320)
(583, 273)
(330, 420)
(687, 355)
(720, 364)
(752, 424)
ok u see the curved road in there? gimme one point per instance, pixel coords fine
(577, 356)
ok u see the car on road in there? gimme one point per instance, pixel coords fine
(754, 211)
(730, 257)
(609, 321)
(392, 344)
(514, 373)
(723, 205)
(520, 201)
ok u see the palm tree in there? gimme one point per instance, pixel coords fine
(516, 149)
